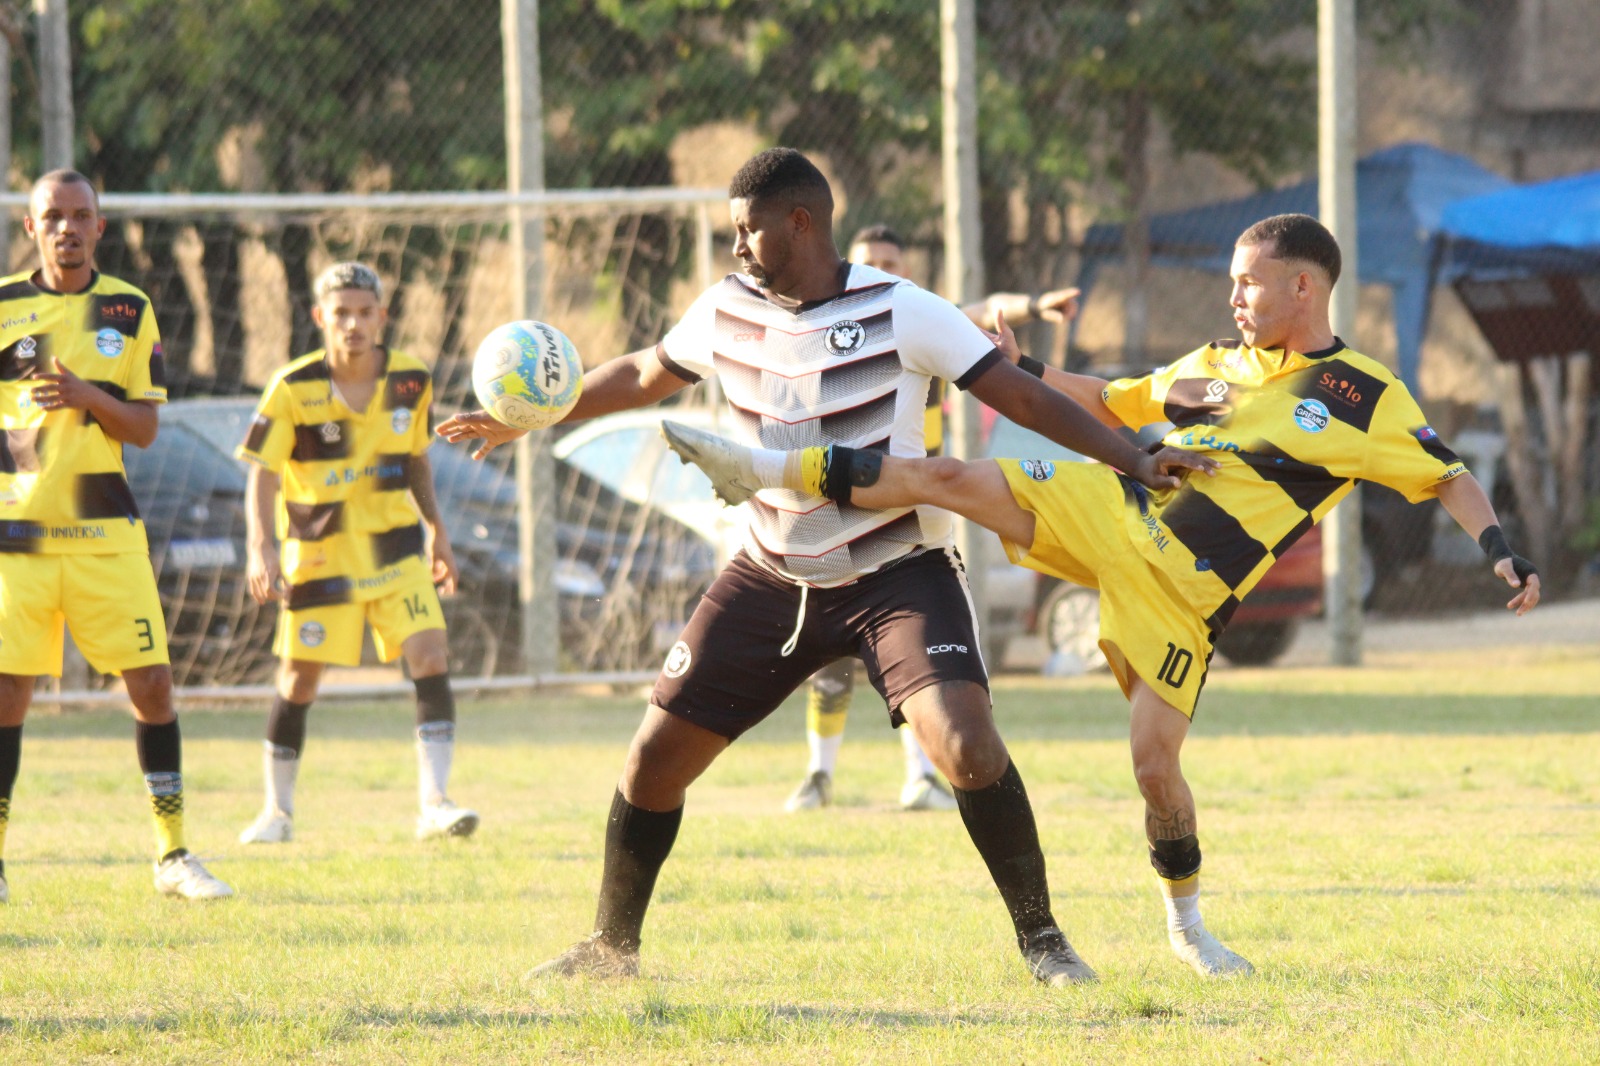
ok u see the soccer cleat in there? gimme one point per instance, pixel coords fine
(591, 957)
(926, 793)
(182, 875)
(728, 464)
(815, 791)
(1208, 956)
(271, 826)
(445, 819)
(1051, 959)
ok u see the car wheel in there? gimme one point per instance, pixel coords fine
(1257, 645)
(1070, 624)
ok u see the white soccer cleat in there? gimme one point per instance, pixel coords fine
(1208, 956)
(271, 826)
(182, 875)
(926, 793)
(445, 819)
(727, 463)
(1052, 960)
(814, 792)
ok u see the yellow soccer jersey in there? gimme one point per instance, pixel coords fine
(63, 488)
(346, 522)
(1291, 433)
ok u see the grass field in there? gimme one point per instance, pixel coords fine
(1415, 876)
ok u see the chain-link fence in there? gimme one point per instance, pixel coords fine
(1123, 144)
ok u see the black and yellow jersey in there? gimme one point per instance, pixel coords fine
(63, 488)
(344, 517)
(1292, 432)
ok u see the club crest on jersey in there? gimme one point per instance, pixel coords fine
(312, 634)
(843, 338)
(678, 660)
(330, 432)
(1038, 469)
(109, 343)
(1311, 416)
(400, 421)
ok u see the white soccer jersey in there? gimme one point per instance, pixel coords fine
(851, 370)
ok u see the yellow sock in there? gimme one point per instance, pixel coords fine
(826, 713)
(1188, 886)
(166, 804)
(803, 469)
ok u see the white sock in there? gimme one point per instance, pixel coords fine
(824, 752)
(918, 765)
(766, 464)
(1183, 914)
(436, 746)
(280, 766)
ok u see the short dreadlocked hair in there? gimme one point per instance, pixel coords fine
(1296, 237)
(784, 177)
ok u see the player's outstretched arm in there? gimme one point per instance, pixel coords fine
(637, 379)
(1469, 505)
(1058, 305)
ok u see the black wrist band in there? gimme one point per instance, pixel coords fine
(1493, 543)
(1036, 368)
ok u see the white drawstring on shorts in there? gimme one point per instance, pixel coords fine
(799, 624)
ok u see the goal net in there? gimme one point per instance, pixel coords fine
(229, 278)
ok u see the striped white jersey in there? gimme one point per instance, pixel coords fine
(851, 370)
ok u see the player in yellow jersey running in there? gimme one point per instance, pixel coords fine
(340, 476)
(81, 376)
(1291, 418)
(830, 691)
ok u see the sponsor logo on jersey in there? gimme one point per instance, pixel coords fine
(109, 343)
(1311, 416)
(1038, 469)
(27, 348)
(1426, 433)
(10, 322)
(1216, 390)
(330, 432)
(941, 649)
(400, 421)
(678, 660)
(843, 338)
(312, 634)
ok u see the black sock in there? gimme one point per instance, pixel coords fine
(160, 747)
(10, 759)
(160, 750)
(286, 725)
(435, 701)
(1000, 821)
(637, 843)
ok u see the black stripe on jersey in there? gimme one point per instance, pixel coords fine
(121, 311)
(404, 388)
(1308, 484)
(110, 388)
(314, 521)
(317, 370)
(1218, 620)
(105, 495)
(25, 357)
(21, 538)
(323, 592)
(1301, 529)
(18, 290)
(1351, 395)
(158, 368)
(320, 442)
(1197, 402)
(1217, 540)
(393, 471)
(20, 450)
(392, 545)
(675, 368)
(977, 370)
(1436, 448)
(256, 436)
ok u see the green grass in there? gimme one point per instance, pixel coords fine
(1413, 875)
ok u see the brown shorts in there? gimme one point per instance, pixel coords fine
(912, 623)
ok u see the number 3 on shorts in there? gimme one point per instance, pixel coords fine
(147, 640)
(1175, 667)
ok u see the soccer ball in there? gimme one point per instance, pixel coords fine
(527, 374)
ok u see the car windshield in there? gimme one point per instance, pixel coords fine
(631, 461)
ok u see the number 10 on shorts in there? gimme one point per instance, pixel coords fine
(1175, 667)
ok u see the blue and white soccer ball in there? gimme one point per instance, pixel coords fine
(527, 374)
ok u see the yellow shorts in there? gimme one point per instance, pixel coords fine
(332, 634)
(108, 601)
(1146, 628)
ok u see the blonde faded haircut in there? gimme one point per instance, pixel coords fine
(350, 275)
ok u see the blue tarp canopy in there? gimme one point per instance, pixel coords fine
(1552, 227)
(1401, 194)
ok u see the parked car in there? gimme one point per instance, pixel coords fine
(626, 576)
(1067, 616)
